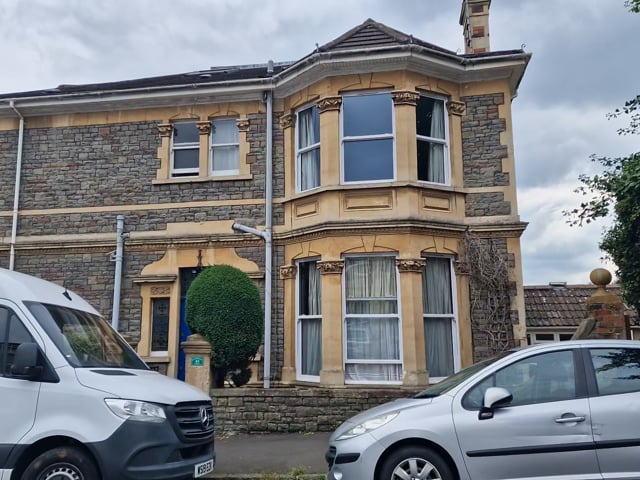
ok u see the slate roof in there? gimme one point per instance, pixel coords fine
(368, 37)
(560, 305)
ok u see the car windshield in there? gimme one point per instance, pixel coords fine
(457, 378)
(85, 340)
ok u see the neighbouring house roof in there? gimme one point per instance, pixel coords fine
(371, 46)
(560, 305)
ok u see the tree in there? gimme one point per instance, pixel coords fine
(617, 190)
(224, 306)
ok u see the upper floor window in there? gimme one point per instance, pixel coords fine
(185, 149)
(308, 148)
(224, 147)
(367, 138)
(431, 128)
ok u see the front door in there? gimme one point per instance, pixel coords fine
(18, 398)
(544, 433)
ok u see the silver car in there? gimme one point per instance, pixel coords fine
(566, 411)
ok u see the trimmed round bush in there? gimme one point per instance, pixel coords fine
(224, 306)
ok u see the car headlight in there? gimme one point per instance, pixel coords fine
(136, 410)
(368, 425)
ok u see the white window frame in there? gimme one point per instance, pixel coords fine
(299, 319)
(455, 336)
(533, 340)
(302, 150)
(184, 172)
(344, 139)
(445, 142)
(213, 146)
(398, 316)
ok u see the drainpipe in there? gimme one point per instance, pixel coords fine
(16, 191)
(117, 281)
(266, 235)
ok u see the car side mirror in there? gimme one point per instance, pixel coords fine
(494, 397)
(25, 362)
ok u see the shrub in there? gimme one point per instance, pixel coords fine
(224, 306)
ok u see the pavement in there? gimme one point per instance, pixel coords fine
(275, 456)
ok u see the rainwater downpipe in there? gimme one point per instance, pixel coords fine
(117, 257)
(16, 191)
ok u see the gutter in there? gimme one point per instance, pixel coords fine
(16, 192)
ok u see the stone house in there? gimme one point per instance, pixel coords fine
(378, 170)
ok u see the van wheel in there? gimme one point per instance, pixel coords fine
(414, 462)
(62, 463)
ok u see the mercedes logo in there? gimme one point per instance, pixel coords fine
(205, 419)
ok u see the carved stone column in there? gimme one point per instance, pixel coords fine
(288, 275)
(404, 107)
(203, 158)
(332, 371)
(329, 108)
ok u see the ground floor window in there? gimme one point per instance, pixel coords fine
(309, 321)
(159, 326)
(440, 322)
(372, 322)
(534, 338)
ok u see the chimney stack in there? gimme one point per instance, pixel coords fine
(474, 18)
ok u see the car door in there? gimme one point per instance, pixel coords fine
(615, 410)
(18, 397)
(544, 432)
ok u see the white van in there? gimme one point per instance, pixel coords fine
(77, 403)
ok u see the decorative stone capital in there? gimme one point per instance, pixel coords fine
(329, 103)
(405, 97)
(204, 128)
(461, 267)
(330, 267)
(287, 120)
(415, 265)
(287, 272)
(243, 124)
(456, 108)
(160, 290)
(165, 129)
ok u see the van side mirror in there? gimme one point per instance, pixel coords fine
(25, 362)
(494, 397)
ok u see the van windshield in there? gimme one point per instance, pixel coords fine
(84, 339)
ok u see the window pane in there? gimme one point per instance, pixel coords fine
(367, 115)
(430, 118)
(371, 278)
(372, 372)
(617, 370)
(368, 160)
(309, 301)
(224, 131)
(431, 162)
(310, 169)
(159, 324)
(437, 298)
(308, 127)
(186, 158)
(438, 341)
(225, 158)
(373, 339)
(311, 345)
(185, 132)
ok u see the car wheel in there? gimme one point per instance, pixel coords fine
(413, 463)
(62, 463)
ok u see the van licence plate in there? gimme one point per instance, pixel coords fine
(203, 468)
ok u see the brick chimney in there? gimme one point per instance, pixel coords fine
(474, 18)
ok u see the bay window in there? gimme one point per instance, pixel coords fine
(372, 321)
(308, 148)
(440, 325)
(309, 321)
(431, 129)
(367, 138)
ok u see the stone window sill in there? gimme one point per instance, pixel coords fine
(201, 179)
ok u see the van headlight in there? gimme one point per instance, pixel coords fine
(136, 410)
(368, 425)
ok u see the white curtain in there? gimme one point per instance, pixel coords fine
(224, 146)
(372, 326)
(311, 328)
(436, 150)
(309, 159)
(438, 310)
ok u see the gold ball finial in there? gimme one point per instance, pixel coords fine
(600, 277)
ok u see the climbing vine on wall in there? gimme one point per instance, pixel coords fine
(489, 291)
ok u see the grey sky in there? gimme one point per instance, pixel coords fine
(583, 66)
